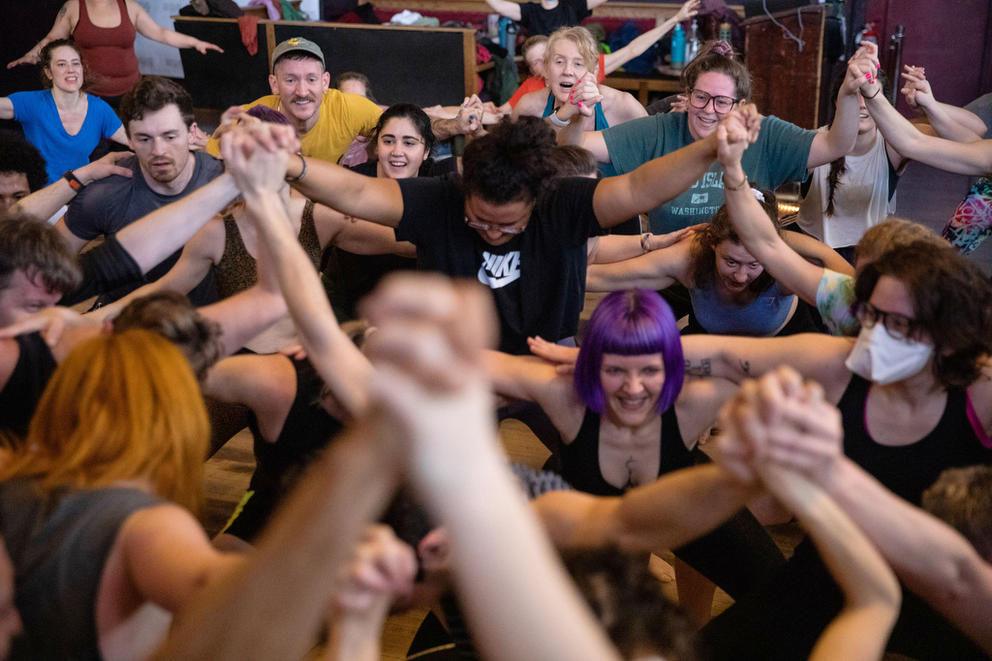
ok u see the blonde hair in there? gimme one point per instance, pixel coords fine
(123, 406)
(582, 39)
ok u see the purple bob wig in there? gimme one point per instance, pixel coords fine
(629, 323)
(267, 114)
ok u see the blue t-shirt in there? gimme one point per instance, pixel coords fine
(43, 128)
(762, 317)
(779, 155)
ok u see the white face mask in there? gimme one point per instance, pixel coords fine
(879, 357)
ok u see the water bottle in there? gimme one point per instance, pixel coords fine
(725, 32)
(692, 42)
(678, 47)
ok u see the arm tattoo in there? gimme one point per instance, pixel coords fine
(703, 369)
(745, 366)
(63, 11)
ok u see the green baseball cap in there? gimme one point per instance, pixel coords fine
(298, 44)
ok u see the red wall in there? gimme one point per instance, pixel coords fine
(951, 38)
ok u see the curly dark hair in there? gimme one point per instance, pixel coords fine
(720, 229)
(512, 162)
(19, 155)
(627, 600)
(171, 315)
(951, 303)
(962, 498)
(152, 93)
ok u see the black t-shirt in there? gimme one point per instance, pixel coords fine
(429, 168)
(536, 20)
(349, 277)
(537, 279)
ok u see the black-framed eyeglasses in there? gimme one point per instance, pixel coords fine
(898, 325)
(700, 99)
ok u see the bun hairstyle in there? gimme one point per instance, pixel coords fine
(719, 57)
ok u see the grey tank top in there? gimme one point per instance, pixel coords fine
(58, 543)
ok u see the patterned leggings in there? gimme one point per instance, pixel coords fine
(972, 220)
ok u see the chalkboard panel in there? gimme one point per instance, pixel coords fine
(404, 65)
(220, 80)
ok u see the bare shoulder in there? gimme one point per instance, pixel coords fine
(620, 106)
(531, 104)
(208, 242)
(152, 531)
(699, 403)
(10, 353)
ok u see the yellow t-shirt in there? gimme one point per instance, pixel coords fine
(342, 117)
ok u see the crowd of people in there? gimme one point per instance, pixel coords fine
(315, 272)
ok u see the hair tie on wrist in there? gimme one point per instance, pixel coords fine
(737, 187)
(869, 98)
(303, 172)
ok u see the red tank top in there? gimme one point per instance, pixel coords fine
(112, 66)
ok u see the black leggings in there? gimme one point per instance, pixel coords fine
(782, 619)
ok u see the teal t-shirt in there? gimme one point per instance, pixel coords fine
(779, 155)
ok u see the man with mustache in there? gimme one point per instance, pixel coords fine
(158, 116)
(326, 119)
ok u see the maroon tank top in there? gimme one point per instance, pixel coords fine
(108, 53)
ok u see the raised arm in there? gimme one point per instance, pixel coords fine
(813, 249)
(65, 21)
(46, 202)
(929, 556)
(618, 58)
(154, 237)
(661, 179)
(839, 140)
(949, 122)
(289, 579)
(575, 134)
(781, 405)
(756, 230)
(147, 27)
(259, 173)
(974, 158)
(498, 549)
(505, 8)
(871, 591)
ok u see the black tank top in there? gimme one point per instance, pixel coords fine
(908, 470)
(307, 430)
(580, 458)
(19, 398)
